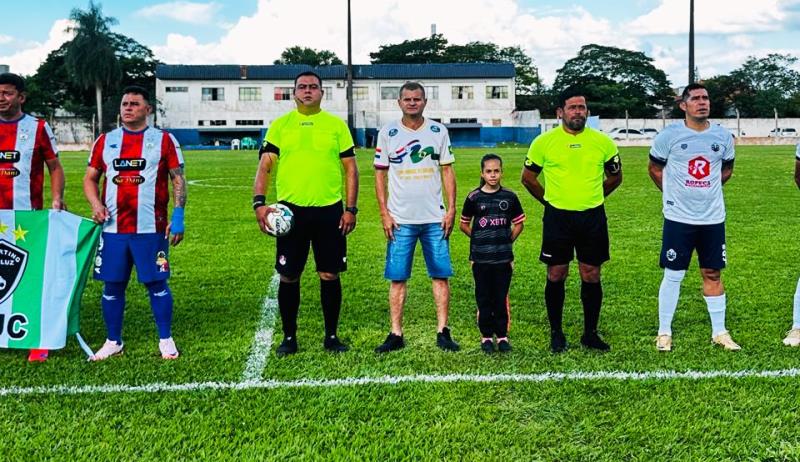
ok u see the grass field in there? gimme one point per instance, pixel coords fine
(461, 406)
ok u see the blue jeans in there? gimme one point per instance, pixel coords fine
(400, 252)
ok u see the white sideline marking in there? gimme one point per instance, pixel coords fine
(202, 183)
(262, 342)
(395, 380)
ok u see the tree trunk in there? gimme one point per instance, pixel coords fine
(98, 93)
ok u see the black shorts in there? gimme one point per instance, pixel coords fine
(680, 239)
(319, 228)
(566, 233)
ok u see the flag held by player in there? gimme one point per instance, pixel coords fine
(45, 258)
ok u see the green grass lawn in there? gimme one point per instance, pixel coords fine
(221, 274)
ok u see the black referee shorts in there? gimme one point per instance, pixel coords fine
(317, 228)
(566, 233)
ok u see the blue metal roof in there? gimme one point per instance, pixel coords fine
(338, 72)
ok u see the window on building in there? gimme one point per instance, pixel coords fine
(360, 93)
(390, 92)
(328, 93)
(218, 123)
(436, 119)
(432, 92)
(214, 94)
(283, 93)
(250, 122)
(464, 120)
(201, 123)
(462, 92)
(497, 92)
(249, 93)
(177, 89)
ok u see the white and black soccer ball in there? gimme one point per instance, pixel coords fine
(281, 220)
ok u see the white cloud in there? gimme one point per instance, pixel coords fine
(5, 39)
(27, 60)
(671, 17)
(189, 12)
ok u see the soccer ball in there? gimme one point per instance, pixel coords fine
(281, 220)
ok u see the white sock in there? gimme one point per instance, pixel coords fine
(668, 295)
(796, 316)
(716, 309)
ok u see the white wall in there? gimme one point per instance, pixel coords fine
(748, 127)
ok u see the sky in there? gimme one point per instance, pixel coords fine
(256, 31)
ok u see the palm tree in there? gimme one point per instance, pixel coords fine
(91, 59)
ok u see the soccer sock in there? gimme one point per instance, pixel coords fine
(796, 316)
(668, 295)
(289, 305)
(113, 304)
(161, 304)
(592, 299)
(330, 294)
(716, 309)
(554, 300)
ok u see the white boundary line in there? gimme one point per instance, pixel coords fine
(395, 380)
(262, 342)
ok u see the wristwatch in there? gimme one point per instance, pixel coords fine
(353, 210)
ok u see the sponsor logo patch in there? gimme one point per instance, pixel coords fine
(435, 129)
(9, 157)
(393, 132)
(120, 180)
(127, 165)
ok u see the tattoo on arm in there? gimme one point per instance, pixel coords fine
(178, 186)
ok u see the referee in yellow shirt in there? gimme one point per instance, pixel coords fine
(580, 166)
(315, 151)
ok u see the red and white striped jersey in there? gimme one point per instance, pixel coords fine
(136, 185)
(25, 145)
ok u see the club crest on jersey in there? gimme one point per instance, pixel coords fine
(393, 132)
(9, 157)
(23, 136)
(161, 262)
(503, 205)
(12, 266)
(135, 180)
(435, 129)
(149, 145)
(684, 146)
(123, 165)
(715, 147)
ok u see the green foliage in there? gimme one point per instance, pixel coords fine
(221, 273)
(420, 51)
(616, 80)
(310, 56)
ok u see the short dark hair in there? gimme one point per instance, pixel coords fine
(569, 92)
(692, 86)
(13, 79)
(308, 73)
(412, 86)
(137, 90)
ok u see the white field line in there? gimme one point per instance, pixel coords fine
(578, 376)
(262, 342)
(202, 183)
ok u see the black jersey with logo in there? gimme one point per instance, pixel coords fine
(492, 215)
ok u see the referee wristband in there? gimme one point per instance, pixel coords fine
(259, 201)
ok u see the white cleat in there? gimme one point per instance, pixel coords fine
(725, 341)
(109, 349)
(792, 338)
(664, 342)
(168, 348)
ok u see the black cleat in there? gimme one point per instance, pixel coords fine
(503, 346)
(558, 343)
(333, 345)
(487, 346)
(445, 342)
(287, 347)
(393, 342)
(593, 341)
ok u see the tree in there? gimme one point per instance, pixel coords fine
(767, 84)
(420, 51)
(310, 56)
(91, 60)
(616, 80)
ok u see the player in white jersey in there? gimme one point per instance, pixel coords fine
(413, 150)
(793, 336)
(689, 162)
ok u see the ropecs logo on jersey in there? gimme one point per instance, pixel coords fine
(9, 157)
(12, 266)
(127, 165)
(120, 180)
(699, 168)
(715, 147)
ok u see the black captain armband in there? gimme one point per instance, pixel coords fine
(657, 161)
(532, 166)
(350, 152)
(614, 165)
(259, 200)
(727, 163)
(268, 147)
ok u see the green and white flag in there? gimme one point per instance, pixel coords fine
(45, 256)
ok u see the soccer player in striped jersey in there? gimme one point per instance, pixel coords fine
(793, 336)
(690, 161)
(27, 145)
(138, 162)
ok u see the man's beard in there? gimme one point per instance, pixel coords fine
(576, 124)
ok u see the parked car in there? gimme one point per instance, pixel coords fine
(649, 132)
(734, 132)
(782, 132)
(627, 134)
